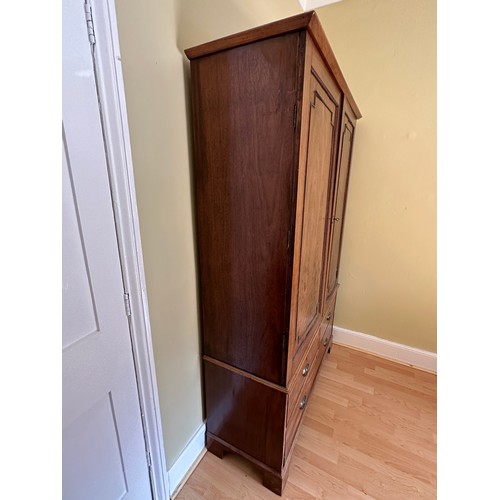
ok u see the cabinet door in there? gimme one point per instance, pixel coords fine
(323, 119)
(344, 161)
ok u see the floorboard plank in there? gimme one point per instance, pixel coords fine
(369, 432)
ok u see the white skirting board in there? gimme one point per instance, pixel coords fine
(189, 456)
(406, 355)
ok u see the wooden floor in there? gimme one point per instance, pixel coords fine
(369, 432)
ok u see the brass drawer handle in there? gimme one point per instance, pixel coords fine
(303, 402)
(336, 219)
(329, 317)
(325, 342)
(306, 369)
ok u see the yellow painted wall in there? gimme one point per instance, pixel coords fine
(387, 51)
(155, 94)
(153, 35)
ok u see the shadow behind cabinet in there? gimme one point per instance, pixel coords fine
(273, 124)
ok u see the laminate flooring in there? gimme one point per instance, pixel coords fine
(369, 431)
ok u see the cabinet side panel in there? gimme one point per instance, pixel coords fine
(243, 104)
(246, 414)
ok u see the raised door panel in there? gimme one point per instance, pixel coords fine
(346, 140)
(243, 102)
(315, 206)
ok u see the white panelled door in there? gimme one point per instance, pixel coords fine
(104, 455)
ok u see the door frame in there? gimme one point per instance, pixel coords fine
(111, 93)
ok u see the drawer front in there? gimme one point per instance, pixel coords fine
(295, 410)
(325, 337)
(305, 371)
(300, 355)
(303, 375)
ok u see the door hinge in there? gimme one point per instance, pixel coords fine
(288, 240)
(295, 116)
(284, 342)
(148, 457)
(90, 23)
(126, 299)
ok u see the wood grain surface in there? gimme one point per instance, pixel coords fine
(340, 198)
(245, 170)
(246, 414)
(308, 20)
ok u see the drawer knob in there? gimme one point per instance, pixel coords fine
(329, 317)
(305, 370)
(325, 342)
(303, 402)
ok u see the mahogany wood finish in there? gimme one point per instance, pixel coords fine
(245, 413)
(308, 20)
(273, 124)
(243, 102)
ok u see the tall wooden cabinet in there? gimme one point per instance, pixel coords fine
(273, 127)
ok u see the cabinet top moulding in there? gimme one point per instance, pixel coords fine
(308, 20)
